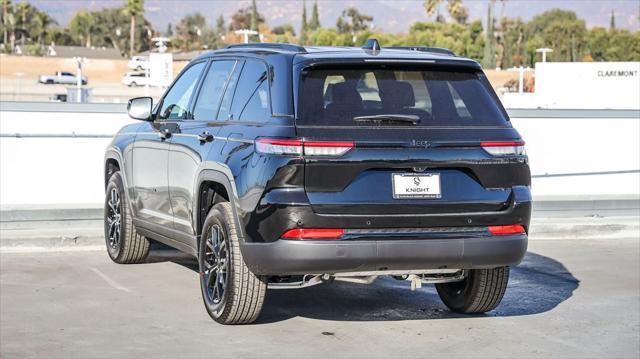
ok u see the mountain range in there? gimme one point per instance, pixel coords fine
(389, 15)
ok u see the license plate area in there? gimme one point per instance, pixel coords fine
(413, 185)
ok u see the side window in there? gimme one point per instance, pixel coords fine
(252, 89)
(175, 104)
(225, 106)
(212, 90)
(258, 106)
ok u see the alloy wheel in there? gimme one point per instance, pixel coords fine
(114, 219)
(215, 266)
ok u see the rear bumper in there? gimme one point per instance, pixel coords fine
(291, 257)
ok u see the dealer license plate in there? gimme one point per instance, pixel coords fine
(411, 185)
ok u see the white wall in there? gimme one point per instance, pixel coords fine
(68, 171)
(583, 85)
(51, 171)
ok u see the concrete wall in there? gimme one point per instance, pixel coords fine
(56, 160)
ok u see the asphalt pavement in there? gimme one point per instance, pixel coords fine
(569, 298)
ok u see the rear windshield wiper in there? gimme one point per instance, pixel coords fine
(412, 119)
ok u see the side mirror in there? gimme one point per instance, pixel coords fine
(140, 108)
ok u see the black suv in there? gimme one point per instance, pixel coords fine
(280, 166)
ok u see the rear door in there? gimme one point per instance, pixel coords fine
(194, 139)
(417, 136)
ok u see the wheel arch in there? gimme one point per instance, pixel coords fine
(212, 187)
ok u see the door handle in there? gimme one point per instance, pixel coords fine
(164, 134)
(205, 137)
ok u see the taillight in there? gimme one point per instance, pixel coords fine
(279, 147)
(296, 147)
(506, 230)
(313, 233)
(504, 148)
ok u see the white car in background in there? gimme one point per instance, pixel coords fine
(139, 63)
(61, 77)
(133, 79)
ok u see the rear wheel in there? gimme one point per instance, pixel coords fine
(230, 292)
(124, 244)
(481, 291)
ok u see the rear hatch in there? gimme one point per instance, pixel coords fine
(415, 140)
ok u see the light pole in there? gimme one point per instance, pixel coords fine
(79, 61)
(246, 33)
(544, 51)
(521, 71)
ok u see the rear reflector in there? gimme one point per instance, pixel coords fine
(295, 147)
(313, 233)
(504, 148)
(506, 230)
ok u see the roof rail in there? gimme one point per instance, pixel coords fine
(436, 50)
(269, 45)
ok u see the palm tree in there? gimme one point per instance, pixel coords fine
(457, 11)
(133, 8)
(6, 7)
(23, 9)
(82, 25)
(431, 7)
(41, 21)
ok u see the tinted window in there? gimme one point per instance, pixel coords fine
(253, 88)
(436, 97)
(225, 106)
(175, 104)
(257, 109)
(212, 90)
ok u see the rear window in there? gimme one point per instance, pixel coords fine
(334, 97)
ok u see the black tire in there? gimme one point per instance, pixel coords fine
(133, 84)
(230, 292)
(49, 82)
(481, 291)
(124, 244)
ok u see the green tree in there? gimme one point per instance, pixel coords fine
(612, 21)
(241, 19)
(133, 8)
(352, 21)
(254, 20)
(41, 23)
(433, 7)
(82, 25)
(304, 26)
(489, 58)
(457, 11)
(560, 30)
(169, 31)
(314, 24)
(220, 25)
(109, 31)
(192, 32)
(23, 11)
(284, 29)
(6, 9)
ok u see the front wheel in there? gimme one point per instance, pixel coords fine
(481, 291)
(231, 293)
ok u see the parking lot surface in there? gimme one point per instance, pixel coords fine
(569, 298)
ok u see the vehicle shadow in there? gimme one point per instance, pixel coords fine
(537, 285)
